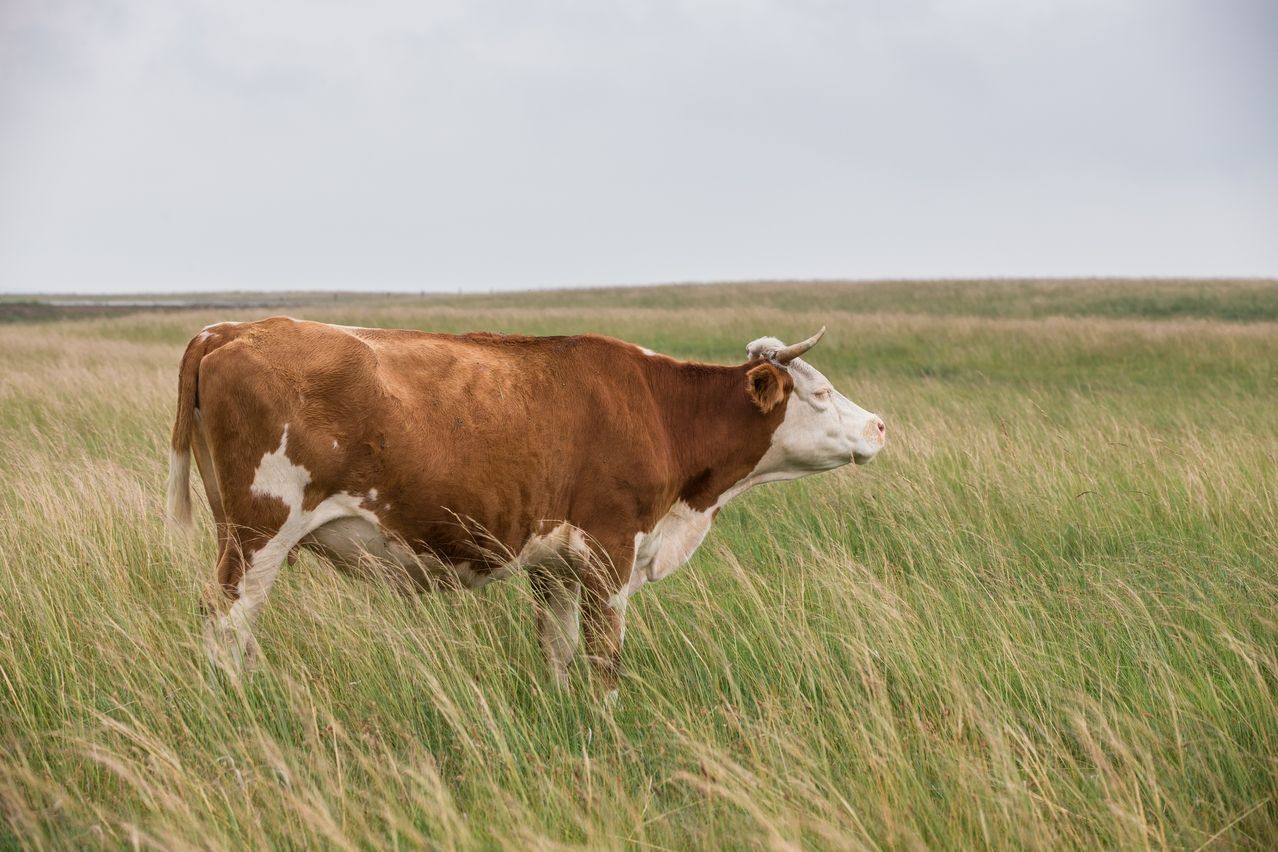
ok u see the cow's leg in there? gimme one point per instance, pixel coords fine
(246, 572)
(558, 613)
(223, 646)
(603, 613)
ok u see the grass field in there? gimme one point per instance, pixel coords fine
(1045, 616)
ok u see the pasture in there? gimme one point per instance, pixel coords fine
(1045, 617)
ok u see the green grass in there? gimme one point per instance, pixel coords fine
(1046, 616)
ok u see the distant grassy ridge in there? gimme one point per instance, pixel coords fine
(1044, 617)
(1240, 300)
(1233, 300)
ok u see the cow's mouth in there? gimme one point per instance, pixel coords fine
(861, 458)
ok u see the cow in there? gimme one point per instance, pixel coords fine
(433, 461)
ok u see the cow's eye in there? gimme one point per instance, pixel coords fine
(824, 393)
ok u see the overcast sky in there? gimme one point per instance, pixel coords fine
(222, 144)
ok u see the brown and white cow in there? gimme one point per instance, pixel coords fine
(453, 460)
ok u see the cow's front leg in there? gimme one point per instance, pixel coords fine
(603, 615)
(603, 622)
(558, 614)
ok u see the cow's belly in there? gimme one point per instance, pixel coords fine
(363, 548)
(360, 547)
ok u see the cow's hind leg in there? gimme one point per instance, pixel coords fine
(246, 571)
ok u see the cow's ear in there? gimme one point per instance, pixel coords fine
(768, 386)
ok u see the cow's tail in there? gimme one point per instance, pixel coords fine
(183, 429)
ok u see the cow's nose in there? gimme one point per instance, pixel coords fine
(875, 431)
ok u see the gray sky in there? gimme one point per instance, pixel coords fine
(508, 144)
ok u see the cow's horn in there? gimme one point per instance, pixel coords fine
(788, 353)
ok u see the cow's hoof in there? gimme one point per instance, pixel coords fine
(229, 647)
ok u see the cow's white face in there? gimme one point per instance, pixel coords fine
(822, 429)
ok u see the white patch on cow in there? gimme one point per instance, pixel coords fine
(372, 494)
(556, 550)
(208, 330)
(669, 544)
(278, 477)
(617, 603)
(334, 443)
(645, 350)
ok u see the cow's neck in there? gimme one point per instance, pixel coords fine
(716, 433)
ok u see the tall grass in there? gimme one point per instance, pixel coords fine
(1046, 616)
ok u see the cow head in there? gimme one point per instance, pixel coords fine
(822, 428)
